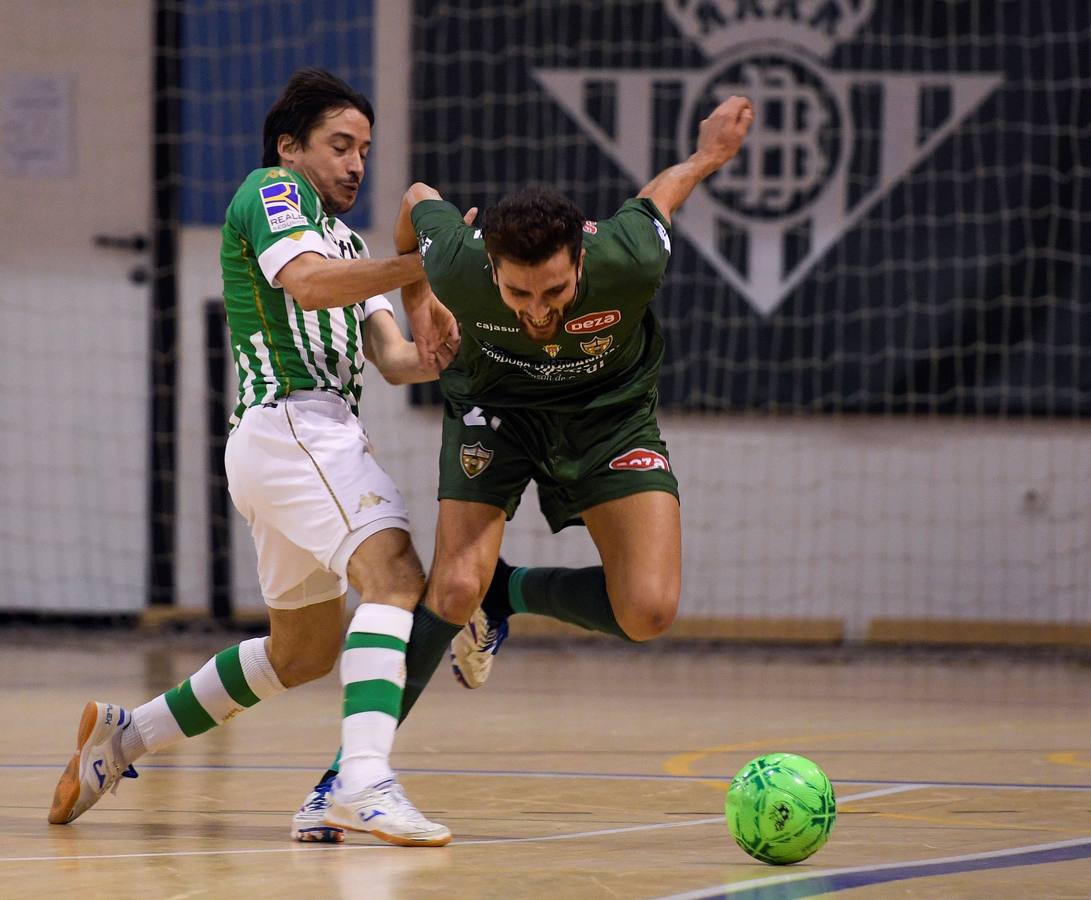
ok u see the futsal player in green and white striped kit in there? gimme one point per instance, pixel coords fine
(322, 511)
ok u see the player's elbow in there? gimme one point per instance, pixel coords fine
(395, 377)
(419, 191)
(306, 297)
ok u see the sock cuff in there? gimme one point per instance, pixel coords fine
(379, 618)
(515, 589)
(258, 670)
(435, 619)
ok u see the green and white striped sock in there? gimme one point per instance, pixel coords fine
(233, 680)
(373, 675)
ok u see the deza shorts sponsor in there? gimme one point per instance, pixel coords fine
(641, 460)
(593, 322)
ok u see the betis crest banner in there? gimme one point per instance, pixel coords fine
(906, 230)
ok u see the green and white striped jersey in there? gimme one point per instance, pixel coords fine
(278, 346)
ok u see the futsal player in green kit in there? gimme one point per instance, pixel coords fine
(555, 381)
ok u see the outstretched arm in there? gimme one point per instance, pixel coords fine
(396, 358)
(719, 139)
(319, 283)
(430, 321)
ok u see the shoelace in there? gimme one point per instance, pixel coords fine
(396, 792)
(496, 634)
(130, 772)
(319, 801)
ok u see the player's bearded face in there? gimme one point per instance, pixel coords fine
(333, 157)
(539, 294)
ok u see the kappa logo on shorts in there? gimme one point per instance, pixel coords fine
(282, 206)
(370, 499)
(597, 346)
(593, 322)
(475, 459)
(640, 460)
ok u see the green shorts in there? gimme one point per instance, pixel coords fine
(578, 460)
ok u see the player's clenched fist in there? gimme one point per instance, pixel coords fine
(722, 133)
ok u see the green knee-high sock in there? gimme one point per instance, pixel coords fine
(577, 596)
(428, 643)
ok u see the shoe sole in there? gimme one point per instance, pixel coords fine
(67, 792)
(319, 834)
(395, 839)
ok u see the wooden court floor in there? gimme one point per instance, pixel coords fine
(589, 771)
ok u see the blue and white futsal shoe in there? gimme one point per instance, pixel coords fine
(97, 765)
(309, 824)
(384, 811)
(474, 647)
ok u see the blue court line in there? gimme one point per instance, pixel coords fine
(597, 776)
(796, 887)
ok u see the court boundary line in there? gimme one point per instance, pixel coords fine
(770, 886)
(299, 848)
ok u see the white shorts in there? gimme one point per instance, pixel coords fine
(302, 474)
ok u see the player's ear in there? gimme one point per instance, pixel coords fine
(492, 272)
(286, 147)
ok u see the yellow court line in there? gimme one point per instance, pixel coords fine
(1069, 759)
(682, 763)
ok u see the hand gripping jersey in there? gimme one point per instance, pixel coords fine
(279, 347)
(609, 348)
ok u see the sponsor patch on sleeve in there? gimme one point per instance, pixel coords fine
(282, 206)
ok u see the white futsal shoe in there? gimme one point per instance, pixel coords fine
(474, 647)
(96, 767)
(309, 824)
(384, 811)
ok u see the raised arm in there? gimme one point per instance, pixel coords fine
(719, 139)
(319, 283)
(405, 235)
(431, 322)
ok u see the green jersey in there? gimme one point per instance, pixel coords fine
(278, 346)
(609, 348)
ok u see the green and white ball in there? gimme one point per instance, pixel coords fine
(780, 808)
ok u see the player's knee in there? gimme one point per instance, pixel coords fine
(398, 580)
(300, 663)
(649, 617)
(454, 593)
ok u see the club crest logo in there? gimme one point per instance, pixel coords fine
(552, 350)
(475, 459)
(826, 146)
(597, 346)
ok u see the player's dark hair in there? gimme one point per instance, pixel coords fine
(310, 95)
(531, 225)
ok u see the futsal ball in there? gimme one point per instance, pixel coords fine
(780, 808)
